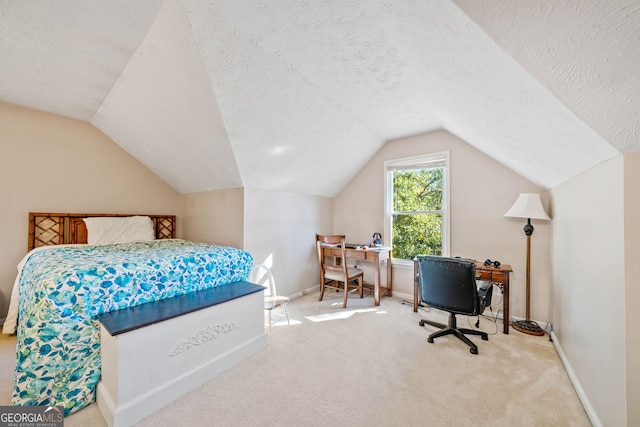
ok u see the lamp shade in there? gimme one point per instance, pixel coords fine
(528, 205)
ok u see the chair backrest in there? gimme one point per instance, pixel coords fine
(261, 275)
(448, 284)
(334, 240)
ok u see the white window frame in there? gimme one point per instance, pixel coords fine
(439, 159)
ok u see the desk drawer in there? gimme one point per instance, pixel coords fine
(356, 254)
(496, 276)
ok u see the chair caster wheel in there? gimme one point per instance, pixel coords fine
(485, 338)
(430, 340)
(473, 350)
(421, 323)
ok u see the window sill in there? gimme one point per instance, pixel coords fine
(405, 264)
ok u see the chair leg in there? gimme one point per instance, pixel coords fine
(321, 290)
(483, 335)
(360, 287)
(452, 329)
(442, 332)
(432, 323)
(286, 313)
(472, 347)
(346, 295)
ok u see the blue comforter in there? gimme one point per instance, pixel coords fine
(62, 290)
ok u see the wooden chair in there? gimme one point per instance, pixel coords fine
(332, 275)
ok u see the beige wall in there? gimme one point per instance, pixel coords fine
(279, 230)
(214, 217)
(482, 190)
(53, 164)
(83, 170)
(591, 293)
(588, 285)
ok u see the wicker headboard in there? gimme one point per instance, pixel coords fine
(47, 229)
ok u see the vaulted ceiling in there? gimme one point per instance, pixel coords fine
(269, 94)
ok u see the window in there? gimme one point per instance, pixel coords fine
(417, 196)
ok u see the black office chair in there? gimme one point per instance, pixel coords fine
(449, 284)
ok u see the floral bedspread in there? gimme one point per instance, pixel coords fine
(62, 290)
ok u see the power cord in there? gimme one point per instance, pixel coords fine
(493, 319)
(547, 330)
(499, 302)
(421, 306)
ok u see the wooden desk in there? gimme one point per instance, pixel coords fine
(374, 255)
(500, 276)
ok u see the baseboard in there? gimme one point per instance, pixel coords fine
(497, 314)
(402, 296)
(304, 292)
(586, 404)
(310, 289)
(315, 288)
(409, 298)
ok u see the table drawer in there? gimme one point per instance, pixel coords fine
(356, 254)
(496, 276)
(351, 253)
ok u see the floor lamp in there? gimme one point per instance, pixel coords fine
(529, 206)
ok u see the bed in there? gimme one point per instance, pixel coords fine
(69, 280)
(58, 229)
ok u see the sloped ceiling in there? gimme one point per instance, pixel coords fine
(274, 94)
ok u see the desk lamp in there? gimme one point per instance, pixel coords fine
(529, 206)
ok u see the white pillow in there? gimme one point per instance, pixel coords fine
(110, 230)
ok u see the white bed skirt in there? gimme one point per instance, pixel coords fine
(145, 369)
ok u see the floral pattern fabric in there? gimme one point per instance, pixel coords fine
(62, 290)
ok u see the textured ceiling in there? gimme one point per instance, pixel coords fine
(65, 56)
(587, 53)
(222, 94)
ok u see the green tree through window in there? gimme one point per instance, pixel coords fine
(417, 200)
(417, 212)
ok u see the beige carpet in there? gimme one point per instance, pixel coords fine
(370, 366)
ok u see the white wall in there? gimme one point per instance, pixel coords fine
(588, 285)
(482, 190)
(279, 230)
(49, 163)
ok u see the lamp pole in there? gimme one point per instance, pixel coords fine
(527, 326)
(528, 205)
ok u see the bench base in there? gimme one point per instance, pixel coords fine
(145, 369)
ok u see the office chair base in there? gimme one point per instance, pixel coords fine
(528, 327)
(452, 329)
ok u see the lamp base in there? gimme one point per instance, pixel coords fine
(528, 327)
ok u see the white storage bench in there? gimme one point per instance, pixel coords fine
(156, 352)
